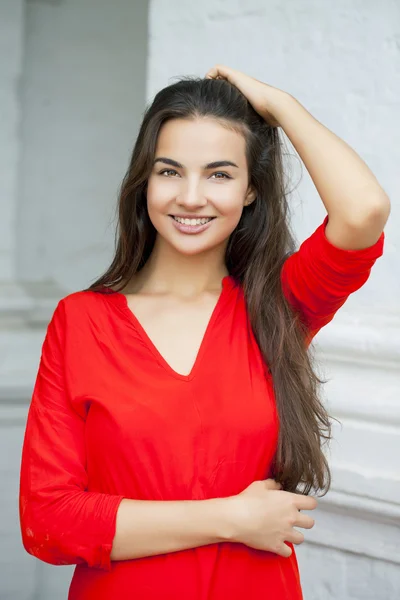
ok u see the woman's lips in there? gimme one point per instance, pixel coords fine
(190, 228)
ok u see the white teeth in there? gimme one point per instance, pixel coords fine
(192, 221)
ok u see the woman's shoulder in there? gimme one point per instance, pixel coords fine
(81, 297)
(78, 304)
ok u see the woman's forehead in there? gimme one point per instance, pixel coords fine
(200, 141)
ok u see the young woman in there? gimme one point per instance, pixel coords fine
(175, 430)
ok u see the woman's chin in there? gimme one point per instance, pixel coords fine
(190, 246)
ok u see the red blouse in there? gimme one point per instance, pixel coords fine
(110, 419)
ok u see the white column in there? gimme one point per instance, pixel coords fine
(21, 304)
(12, 14)
(72, 88)
(11, 57)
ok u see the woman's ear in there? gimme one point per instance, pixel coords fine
(250, 196)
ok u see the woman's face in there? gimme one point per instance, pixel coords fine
(184, 184)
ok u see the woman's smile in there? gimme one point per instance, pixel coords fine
(192, 225)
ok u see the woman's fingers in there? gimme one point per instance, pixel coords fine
(221, 72)
(214, 72)
(295, 537)
(284, 550)
(302, 502)
(304, 521)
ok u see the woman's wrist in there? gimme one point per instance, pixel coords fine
(281, 106)
(227, 518)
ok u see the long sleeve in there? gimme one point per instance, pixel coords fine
(319, 277)
(61, 522)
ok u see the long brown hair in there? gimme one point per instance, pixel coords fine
(255, 254)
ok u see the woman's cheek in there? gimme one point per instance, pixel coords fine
(158, 195)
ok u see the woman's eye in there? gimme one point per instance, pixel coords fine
(167, 171)
(225, 175)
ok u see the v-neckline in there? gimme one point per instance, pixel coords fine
(122, 302)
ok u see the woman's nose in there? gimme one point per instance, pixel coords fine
(191, 197)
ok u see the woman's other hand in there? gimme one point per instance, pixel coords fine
(265, 517)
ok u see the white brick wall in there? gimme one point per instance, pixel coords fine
(341, 60)
(334, 575)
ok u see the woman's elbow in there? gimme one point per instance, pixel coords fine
(42, 546)
(42, 540)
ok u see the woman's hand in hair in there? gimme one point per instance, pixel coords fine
(264, 98)
(265, 517)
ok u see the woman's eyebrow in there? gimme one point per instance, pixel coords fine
(212, 165)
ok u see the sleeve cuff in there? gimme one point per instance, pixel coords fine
(101, 558)
(371, 253)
